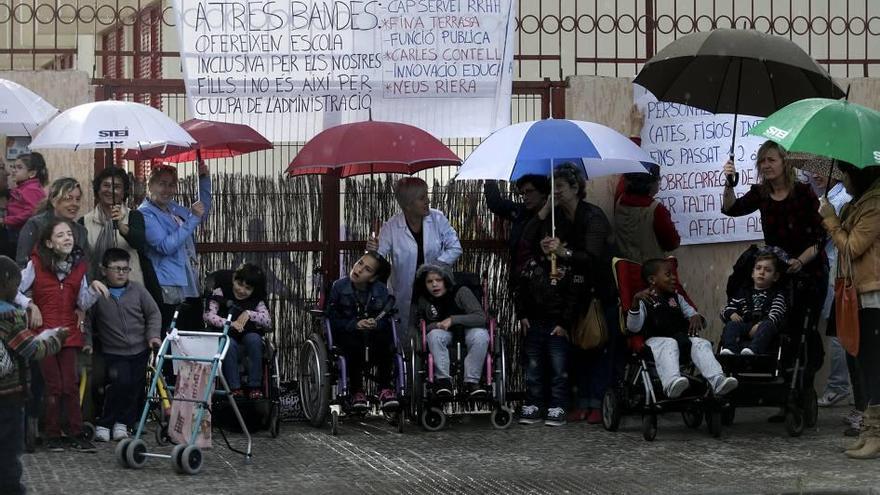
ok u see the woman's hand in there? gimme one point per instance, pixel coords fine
(198, 209)
(695, 325)
(795, 265)
(36, 319)
(550, 245)
(544, 212)
(366, 324)
(373, 243)
(203, 168)
(559, 332)
(826, 209)
(729, 169)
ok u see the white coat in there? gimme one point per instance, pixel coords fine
(397, 245)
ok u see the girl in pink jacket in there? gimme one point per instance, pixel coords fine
(31, 176)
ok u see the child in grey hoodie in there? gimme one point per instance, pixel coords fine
(446, 308)
(126, 326)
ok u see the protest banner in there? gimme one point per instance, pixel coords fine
(691, 146)
(292, 68)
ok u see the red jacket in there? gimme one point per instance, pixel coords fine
(23, 200)
(57, 299)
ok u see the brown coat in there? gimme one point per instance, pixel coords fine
(857, 237)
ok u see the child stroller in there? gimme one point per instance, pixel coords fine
(783, 377)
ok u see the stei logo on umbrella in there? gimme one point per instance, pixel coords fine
(113, 133)
(877, 156)
(775, 132)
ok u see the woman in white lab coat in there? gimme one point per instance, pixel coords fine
(416, 236)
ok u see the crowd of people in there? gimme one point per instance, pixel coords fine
(107, 284)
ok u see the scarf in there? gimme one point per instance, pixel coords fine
(106, 237)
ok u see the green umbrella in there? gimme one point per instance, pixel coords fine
(837, 129)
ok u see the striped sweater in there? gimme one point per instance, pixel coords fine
(756, 305)
(21, 344)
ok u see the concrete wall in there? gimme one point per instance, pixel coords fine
(63, 89)
(704, 268)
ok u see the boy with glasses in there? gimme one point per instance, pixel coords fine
(126, 325)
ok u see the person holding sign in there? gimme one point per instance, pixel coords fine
(417, 235)
(856, 234)
(790, 220)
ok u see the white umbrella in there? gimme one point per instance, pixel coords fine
(22, 110)
(111, 124)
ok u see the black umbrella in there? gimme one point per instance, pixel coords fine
(735, 71)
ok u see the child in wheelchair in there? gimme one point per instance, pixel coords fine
(353, 306)
(447, 309)
(755, 314)
(245, 298)
(671, 327)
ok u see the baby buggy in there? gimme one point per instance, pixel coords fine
(783, 377)
(324, 381)
(638, 391)
(427, 407)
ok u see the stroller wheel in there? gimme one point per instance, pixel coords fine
(177, 458)
(611, 412)
(120, 450)
(191, 459)
(88, 431)
(794, 422)
(502, 418)
(649, 427)
(433, 419)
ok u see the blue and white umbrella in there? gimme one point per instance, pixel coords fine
(536, 147)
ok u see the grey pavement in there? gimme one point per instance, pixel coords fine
(369, 456)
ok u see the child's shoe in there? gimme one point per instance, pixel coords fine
(576, 415)
(594, 417)
(120, 431)
(475, 391)
(359, 401)
(726, 385)
(102, 434)
(55, 444)
(388, 399)
(677, 387)
(746, 352)
(255, 394)
(555, 417)
(529, 415)
(82, 444)
(726, 352)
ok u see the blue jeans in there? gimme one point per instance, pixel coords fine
(838, 375)
(736, 336)
(546, 357)
(251, 345)
(477, 344)
(11, 447)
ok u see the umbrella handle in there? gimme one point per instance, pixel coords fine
(554, 273)
(733, 179)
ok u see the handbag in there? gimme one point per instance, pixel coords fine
(846, 310)
(591, 330)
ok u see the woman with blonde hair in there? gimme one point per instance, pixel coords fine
(64, 201)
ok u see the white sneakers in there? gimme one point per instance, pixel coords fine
(726, 352)
(677, 387)
(746, 352)
(102, 434)
(726, 385)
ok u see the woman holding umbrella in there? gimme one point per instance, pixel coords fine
(548, 304)
(856, 234)
(790, 220)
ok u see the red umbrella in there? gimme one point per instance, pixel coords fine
(371, 147)
(213, 140)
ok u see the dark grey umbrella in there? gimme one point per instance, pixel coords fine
(738, 71)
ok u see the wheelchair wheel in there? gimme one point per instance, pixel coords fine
(502, 418)
(611, 411)
(649, 427)
(499, 384)
(334, 423)
(88, 431)
(810, 408)
(417, 394)
(692, 417)
(727, 416)
(433, 419)
(794, 422)
(713, 422)
(314, 379)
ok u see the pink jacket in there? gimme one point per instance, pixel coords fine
(23, 199)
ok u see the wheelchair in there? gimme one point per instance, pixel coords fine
(324, 382)
(783, 377)
(638, 391)
(259, 414)
(426, 406)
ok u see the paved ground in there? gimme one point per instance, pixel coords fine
(469, 457)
